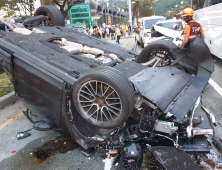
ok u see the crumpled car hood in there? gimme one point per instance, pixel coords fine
(161, 84)
(176, 90)
(168, 32)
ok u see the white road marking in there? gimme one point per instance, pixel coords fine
(215, 86)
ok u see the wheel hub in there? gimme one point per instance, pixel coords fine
(99, 101)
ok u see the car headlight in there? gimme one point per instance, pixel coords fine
(146, 35)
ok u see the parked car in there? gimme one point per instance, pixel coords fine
(143, 35)
(171, 29)
(104, 95)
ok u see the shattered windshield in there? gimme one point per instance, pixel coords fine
(177, 26)
(150, 22)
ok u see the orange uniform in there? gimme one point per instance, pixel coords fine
(191, 29)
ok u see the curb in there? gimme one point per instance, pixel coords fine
(7, 99)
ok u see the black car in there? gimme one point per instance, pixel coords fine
(104, 95)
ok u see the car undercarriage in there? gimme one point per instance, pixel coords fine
(110, 98)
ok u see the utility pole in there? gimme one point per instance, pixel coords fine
(130, 13)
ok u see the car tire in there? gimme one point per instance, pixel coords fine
(106, 108)
(55, 17)
(128, 84)
(160, 46)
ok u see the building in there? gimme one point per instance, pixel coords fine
(93, 12)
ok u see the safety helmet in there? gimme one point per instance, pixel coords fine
(188, 12)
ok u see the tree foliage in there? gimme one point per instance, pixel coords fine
(143, 8)
(66, 5)
(9, 6)
(162, 7)
(13, 6)
(174, 13)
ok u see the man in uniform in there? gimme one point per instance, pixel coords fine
(191, 29)
(138, 25)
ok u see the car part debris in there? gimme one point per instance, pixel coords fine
(35, 20)
(23, 135)
(198, 131)
(132, 156)
(189, 128)
(42, 126)
(22, 31)
(211, 115)
(165, 127)
(172, 158)
(7, 24)
(196, 144)
(151, 61)
(140, 100)
(94, 53)
(110, 158)
(88, 152)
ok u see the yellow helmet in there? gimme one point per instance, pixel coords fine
(188, 12)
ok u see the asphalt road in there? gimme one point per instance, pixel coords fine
(64, 154)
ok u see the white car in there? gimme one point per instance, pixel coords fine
(172, 29)
(143, 36)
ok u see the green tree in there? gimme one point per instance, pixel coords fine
(11, 7)
(175, 13)
(162, 7)
(66, 5)
(143, 8)
(27, 6)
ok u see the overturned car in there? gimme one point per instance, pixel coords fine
(103, 95)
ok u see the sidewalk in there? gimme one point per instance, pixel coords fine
(7, 99)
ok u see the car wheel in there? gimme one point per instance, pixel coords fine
(142, 44)
(53, 14)
(104, 98)
(157, 53)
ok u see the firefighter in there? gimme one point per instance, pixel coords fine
(191, 29)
